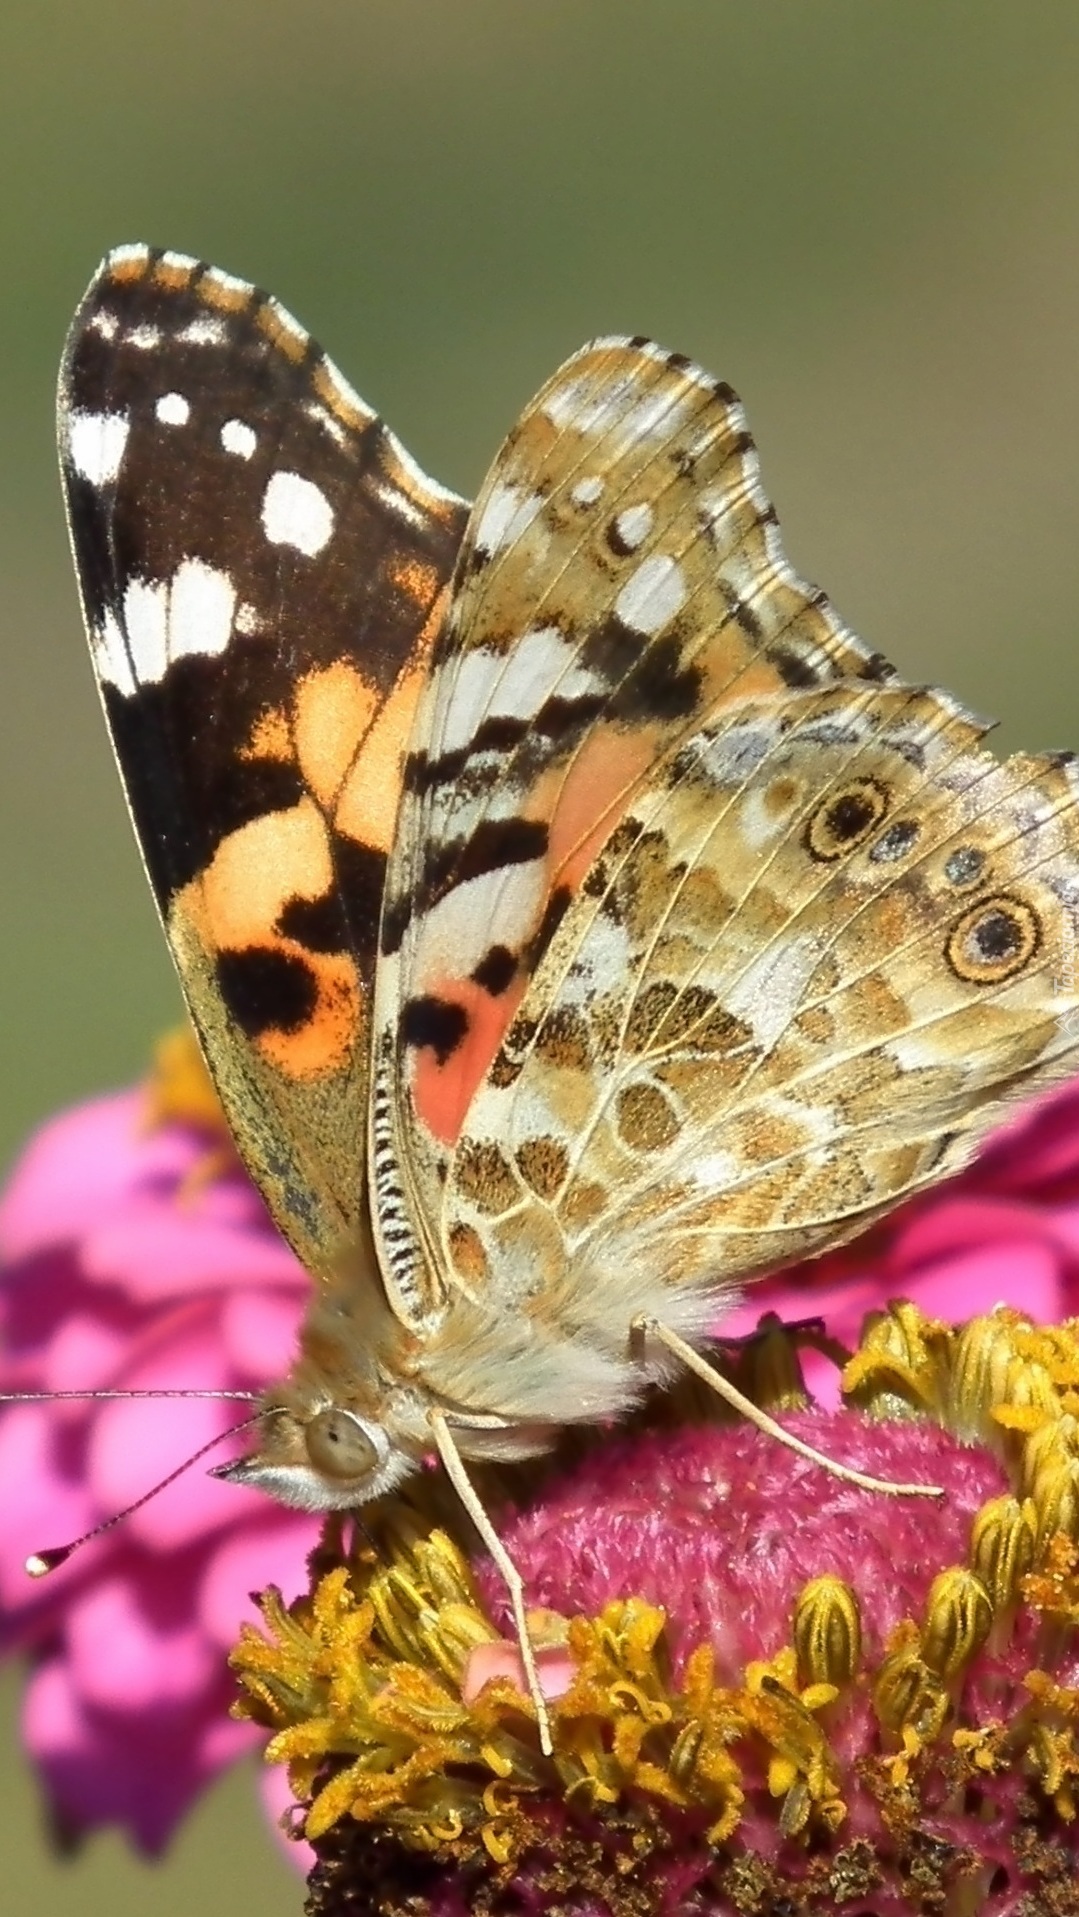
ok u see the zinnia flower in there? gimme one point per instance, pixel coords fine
(770, 1692)
(136, 1255)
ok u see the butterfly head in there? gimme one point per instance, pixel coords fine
(320, 1456)
(328, 1439)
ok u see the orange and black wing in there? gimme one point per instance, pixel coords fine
(263, 571)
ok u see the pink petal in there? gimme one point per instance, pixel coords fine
(221, 1740)
(1042, 1144)
(1022, 1273)
(41, 1507)
(85, 1353)
(134, 1446)
(80, 1167)
(159, 1252)
(959, 1223)
(121, 1660)
(1025, 1276)
(142, 1773)
(52, 1718)
(556, 1669)
(1062, 1227)
(177, 1347)
(272, 1551)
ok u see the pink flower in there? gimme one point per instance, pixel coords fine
(133, 1256)
(1005, 1231)
(780, 1692)
(125, 1265)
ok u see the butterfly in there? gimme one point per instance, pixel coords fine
(578, 920)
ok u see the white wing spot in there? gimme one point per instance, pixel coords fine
(172, 619)
(507, 511)
(146, 614)
(716, 1171)
(395, 501)
(654, 416)
(633, 526)
(247, 620)
(239, 438)
(608, 964)
(296, 513)
(146, 338)
(96, 443)
(720, 508)
(768, 992)
(541, 662)
(106, 325)
(582, 407)
(201, 606)
(612, 406)
(326, 421)
(207, 330)
(650, 599)
(587, 491)
(111, 663)
(490, 685)
(172, 409)
(457, 931)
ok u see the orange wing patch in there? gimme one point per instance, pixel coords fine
(333, 709)
(445, 1075)
(293, 965)
(366, 807)
(588, 805)
(270, 737)
(301, 1007)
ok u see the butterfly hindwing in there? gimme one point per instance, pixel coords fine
(263, 570)
(812, 967)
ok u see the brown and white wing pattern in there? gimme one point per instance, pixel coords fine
(819, 957)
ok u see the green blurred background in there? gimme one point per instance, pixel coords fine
(864, 215)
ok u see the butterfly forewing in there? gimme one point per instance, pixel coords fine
(263, 571)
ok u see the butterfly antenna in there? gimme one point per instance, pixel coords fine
(150, 1391)
(40, 1563)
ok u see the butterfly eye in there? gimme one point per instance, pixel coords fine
(846, 819)
(993, 941)
(338, 1445)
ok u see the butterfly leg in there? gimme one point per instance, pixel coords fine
(643, 1328)
(466, 1491)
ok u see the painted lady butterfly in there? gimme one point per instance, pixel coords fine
(577, 918)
